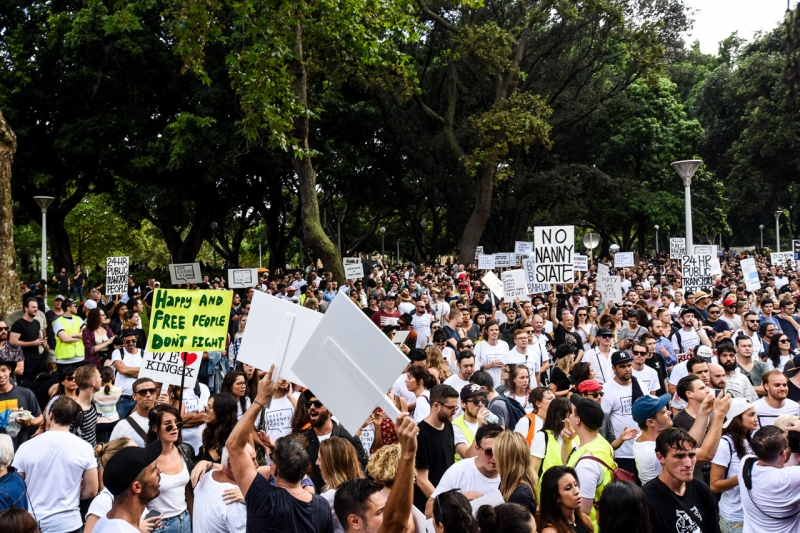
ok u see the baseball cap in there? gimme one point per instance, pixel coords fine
(154, 284)
(472, 389)
(729, 302)
(704, 352)
(590, 385)
(59, 297)
(128, 333)
(687, 311)
(125, 466)
(389, 296)
(590, 412)
(291, 289)
(647, 406)
(620, 357)
(738, 406)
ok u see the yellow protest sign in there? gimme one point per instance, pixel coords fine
(189, 321)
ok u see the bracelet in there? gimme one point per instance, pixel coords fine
(259, 403)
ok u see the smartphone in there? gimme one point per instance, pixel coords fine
(152, 514)
(717, 392)
(794, 441)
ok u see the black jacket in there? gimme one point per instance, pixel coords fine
(313, 451)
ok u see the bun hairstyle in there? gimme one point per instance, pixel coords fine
(453, 511)
(505, 518)
(107, 377)
(105, 450)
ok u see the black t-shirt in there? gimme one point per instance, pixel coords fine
(435, 453)
(524, 496)
(78, 282)
(63, 282)
(20, 398)
(657, 363)
(28, 331)
(485, 307)
(683, 420)
(667, 515)
(274, 510)
(369, 312)
(559, 379)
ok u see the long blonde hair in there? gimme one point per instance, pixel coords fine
(513, 457)
(436, 360)
(339, 462)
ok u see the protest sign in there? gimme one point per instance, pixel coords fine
(677, 247)
(353, 268)
(116, 275)
(716, 268)
(750, 274)
(696, 272)
(780, 258)
(514, 285)
(603, 270)
(796, 248)
(167, 367)
(502, 260)
(580, 263)
(494, 284)
(610, 287)
(523, 247)
(182, 273)
(703, 249)
(486, 262)
(529, 267)
(478, 251)
(185, 320)
(275, 333)
(349, 364)
(554, 247)
(242, 278)
(623, 259)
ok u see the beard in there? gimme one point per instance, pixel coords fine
(321, 419)
(729, 367)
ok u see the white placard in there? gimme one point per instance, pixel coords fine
(603, 270)
(780, 258)
(529, 267)
(514, 285)
(703, 249)
(696, 272)
(485, 262)
(349, 364)
(610, 287)
(494, 284)
(116, 275)
(523, 247)
(580, 263)
(623, 259)
(493, 498)
(677, 247)
(183, 273)
(167, 367)
(750, 274)
(400, 337)
(242, 278)
(503, 260)
(275, 332)
(716, 268)
(554, 247)
(478, 251)
(353, 268)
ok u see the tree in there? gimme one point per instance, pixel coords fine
(10, 295)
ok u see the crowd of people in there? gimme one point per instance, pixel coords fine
(665, 411)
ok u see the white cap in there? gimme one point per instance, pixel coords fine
(704, 352)
(738, 406)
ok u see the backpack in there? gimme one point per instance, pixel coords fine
(515, 410)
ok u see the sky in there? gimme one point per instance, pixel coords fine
(714, 20)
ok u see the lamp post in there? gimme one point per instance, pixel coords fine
(761, 227)
(424, 226)
(530, 232)
(398, 251)
(383, 236)
(656, 226)
(44, 202)
(778, 230)
(214, 228)
(686, 170)
(339, 217)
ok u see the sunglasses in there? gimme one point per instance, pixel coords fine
(132, 341)
(68, 378)
(784, 340)
(713, 312)
(487, 451)
(606, 336)
(145, 392)
(639, 352)
(315, 403)
(595, 394)
(452, 408)
(478, 401)
(581, 314)
(3, 329)
(468, 346)
(169, 427)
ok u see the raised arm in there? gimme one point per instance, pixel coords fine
(398, 506)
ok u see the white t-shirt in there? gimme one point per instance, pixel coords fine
(777, 493)
(107, 525)
(689, 339)
(485, 353)
(758, 346)
(101, 504)
(647, 465)
(524, 424)
(531, 359)
(211, 513)
(367, 438)
(423, 407)
(766, 415)
(617, 402)
(399, 389)
(784, 359)
(171, 501)
(730, 504)
(239, 412)
(460, 438)
(590, 475)
(195, 404)
(648, 379)
(133, 360)
(124, 429)
(53, 464)
(465, 475)
(603, 371)
(277, 418)
(681, 371)
(58, 326)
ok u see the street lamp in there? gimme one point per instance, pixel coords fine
(761, 227)
(398, 251)
(656, 226)
(44, 202)
(686, 170)
(383, 235)
(339, 217)
(214, 228)
(424, 226)
(778, 230)
(530, 231)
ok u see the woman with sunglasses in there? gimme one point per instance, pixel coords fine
(587, 331)
(779, 352)
(175, 496)
(560, 504)
(98, 339)
(66, 386)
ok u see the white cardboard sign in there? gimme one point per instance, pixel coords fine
(677, 247)
(703, 249)
(494, 284)
(166, 367)
(696, 272)
(554, 247)
(750, 274)
(478, 251)
(603, 270)
(580, 263)
(275, 332)
(242, 278)
(611, 288)
(116, 275)
(523, 247)
(349, 364)
(780, 258)
(486, 262)
(716, 268)
(623, 259)
(183, 273)
(353, 268)
(503, 260)
(529, 267)
(514, 285)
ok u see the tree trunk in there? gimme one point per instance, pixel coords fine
(58, 240)
(471, 236)
(313, 234)
(10, 294)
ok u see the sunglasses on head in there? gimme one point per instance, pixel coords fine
(315, 403)
(169, 427)
(145, 392)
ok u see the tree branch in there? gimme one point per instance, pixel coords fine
(437, 18)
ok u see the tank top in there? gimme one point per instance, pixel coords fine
(172, 499)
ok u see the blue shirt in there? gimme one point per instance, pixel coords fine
(789, 330)
(12, 490)
(672, 360)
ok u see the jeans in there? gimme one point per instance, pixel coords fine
(76, 291)
(176, 524)
(125, 406)
(729, 527)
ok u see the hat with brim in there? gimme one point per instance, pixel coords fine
(10, 364)
(687, 311)
(699, 295)
(647, 406)
(738, 406)
(125, 466)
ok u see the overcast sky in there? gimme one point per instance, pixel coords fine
(714, 20)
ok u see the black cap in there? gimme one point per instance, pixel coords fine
(633, 314)
(564, 350)
(620, 357)
(470, 390)
(130, 332)
(388, 328)
(589, 411)
(406, 317)
(125, 466)
(687, 311)
(10, 364)
(604, 331)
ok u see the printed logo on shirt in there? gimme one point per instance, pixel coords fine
(626, 405)
(278, 419)
(686, 523)
(11, 403)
